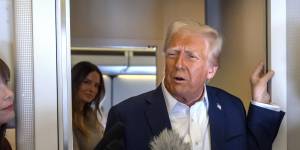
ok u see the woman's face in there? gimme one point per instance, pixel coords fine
(88, 88)
(6, 103)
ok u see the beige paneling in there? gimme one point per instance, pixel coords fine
(243, 25)
(129, 22)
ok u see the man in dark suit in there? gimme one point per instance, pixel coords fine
(205, 117)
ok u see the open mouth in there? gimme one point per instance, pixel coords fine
(179, 79)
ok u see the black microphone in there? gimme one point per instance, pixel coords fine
(113, 139)
(169, 140)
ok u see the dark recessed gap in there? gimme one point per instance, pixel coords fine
(85, 52)
(143, 53)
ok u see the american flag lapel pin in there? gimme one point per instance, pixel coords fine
(219, 106)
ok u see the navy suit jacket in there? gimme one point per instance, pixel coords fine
(145, 116)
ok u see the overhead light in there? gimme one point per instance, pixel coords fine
(125, 70)
(134, 77)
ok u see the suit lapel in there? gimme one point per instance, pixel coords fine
(157, 113)
(216, 120)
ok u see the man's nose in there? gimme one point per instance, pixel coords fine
(180, 60)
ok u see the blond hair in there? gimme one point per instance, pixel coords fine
(212, 36)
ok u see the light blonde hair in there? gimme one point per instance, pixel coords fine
(212, 36)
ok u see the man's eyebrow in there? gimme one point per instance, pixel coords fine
(190, 51)
(173, 49)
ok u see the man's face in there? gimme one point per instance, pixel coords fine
(187, 66)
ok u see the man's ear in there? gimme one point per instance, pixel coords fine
(212, 70)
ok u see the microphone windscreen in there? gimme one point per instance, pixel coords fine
(112, 138)
(169, 140)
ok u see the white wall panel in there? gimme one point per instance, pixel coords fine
(125, 86)
(44, 74)
(293, 74)
(24, 74)
(278, 62)
(105, 104)
(36, 82)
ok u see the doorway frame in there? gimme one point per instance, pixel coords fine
(277, 61)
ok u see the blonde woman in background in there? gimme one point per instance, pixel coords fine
(6, 104)
(87, 93)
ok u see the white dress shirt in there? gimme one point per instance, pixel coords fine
(192, 123)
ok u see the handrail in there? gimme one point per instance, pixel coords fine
(116, 48)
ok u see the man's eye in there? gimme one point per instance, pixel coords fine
(171, 54)
(192, 56)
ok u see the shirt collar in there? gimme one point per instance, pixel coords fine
(171, 101)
